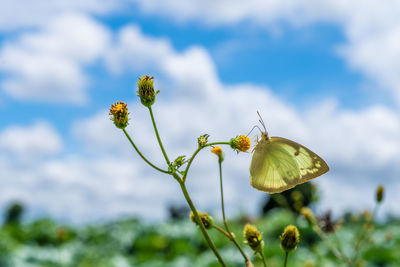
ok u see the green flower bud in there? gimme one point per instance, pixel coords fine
(179, 161)
(202, 140)
(119, 114)
(206, 219)
(146, 90)
(379, 193)
(253, 238)
(290, 238)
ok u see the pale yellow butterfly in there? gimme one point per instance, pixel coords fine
(279, 164)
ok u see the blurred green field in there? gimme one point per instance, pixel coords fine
(178, 243)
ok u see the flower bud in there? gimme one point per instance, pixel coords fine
(218, 151)
(308, 214)
(202, 140)
(206, 219)
(379, 193)
(240, 143)
(179, 161)
(146, 90)
(253, 238)
(119, 113)
(290, 238)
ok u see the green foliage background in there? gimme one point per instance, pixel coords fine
(129, 242)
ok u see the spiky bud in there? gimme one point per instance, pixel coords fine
(206, 219)
(240, 143)
(202, 140)
(253, 238)
(179, 161)
(146, 90)
(119, 114)
(290, 238)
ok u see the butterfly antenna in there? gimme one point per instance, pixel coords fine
(261, 121)
(253, 129)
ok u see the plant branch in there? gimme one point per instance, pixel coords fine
(141, 155)
(195, 154)
(231, 237)
(158, 137)
(200, 223)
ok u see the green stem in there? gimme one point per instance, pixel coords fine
(323, 236)
(286, 258)
(195, 154)
(141, 155)
(158, 137)
(263, 258)
(200, 223)
(225, 233)
(231, 237)
(361, 235)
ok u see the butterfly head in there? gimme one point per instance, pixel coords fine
(264, 136)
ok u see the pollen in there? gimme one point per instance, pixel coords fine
(244, 143)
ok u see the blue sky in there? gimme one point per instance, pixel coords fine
(327, 79)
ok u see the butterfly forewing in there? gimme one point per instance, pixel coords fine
(279, 164)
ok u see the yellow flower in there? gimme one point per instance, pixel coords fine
(241, 143)
(218, 151)
(119, 113)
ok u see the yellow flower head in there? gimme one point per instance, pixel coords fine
(290, 238)
(218, 151)
(119, 113)
(253, 238)
(241, 143)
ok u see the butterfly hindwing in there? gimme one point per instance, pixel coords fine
(279, 164)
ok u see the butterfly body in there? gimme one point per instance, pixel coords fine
(279, 164)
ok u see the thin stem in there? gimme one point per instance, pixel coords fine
(361, 236)
(322, 235)
(231, 237)
(158, 137)
(225, 233)
(286, 257)
(263, 258)
(141, 155)
(195, 154)
(200, 223)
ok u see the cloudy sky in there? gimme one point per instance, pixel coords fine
(322, 73)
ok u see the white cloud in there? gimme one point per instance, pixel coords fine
(30, 13)
(371, 27)
(48, 65)
(32, 141)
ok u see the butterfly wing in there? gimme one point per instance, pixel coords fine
(279, 164)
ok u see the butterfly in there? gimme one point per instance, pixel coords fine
(279, 164)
